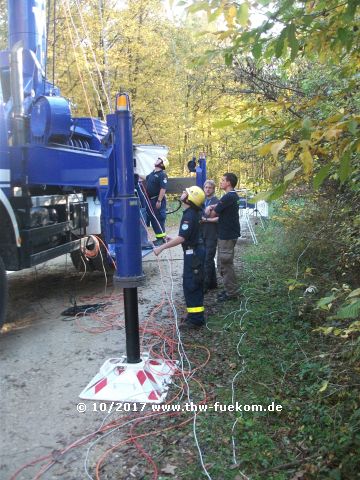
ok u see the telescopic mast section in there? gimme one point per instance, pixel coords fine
(123, 220)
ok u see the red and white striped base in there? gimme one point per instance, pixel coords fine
(118, 381)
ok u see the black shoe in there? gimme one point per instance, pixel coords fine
(225, 297)
(159, 241)
(186, 326)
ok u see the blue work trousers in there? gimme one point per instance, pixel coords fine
(193, 284)
(157, 219)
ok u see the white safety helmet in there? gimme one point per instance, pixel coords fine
(162, 160)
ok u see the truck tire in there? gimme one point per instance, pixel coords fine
(3, 292)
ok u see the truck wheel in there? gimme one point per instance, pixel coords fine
(3, 292)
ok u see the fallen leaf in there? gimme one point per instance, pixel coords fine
(169, 469)
(324, 386)
(298, 475)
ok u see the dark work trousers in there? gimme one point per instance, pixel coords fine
(210, 245)
(158, 220)
(193, 284)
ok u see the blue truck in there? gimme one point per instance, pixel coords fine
(62, 178)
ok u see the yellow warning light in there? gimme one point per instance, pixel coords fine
(122, 101)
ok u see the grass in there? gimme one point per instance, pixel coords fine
(281, 360)
(173, 219)
(266, 347)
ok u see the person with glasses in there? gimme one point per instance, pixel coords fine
(209, 232)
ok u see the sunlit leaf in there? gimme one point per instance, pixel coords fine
(349, 311)
(214, 15)
(257, 50)
(228, 58)
(350, 10)
(306, 160)
(265, 149)
(279, 45)
(354, 293)
(324, 386)
(197, 7)
(243, 14)
(230, 14)
(352, 126)
(276, 147)
(293, 42)
(290, 176)
(345, 167)
(324, 330)
(278, 192)
(223, 123)
(307, 124)
(307, 20)
(325, 301)
(262, 196)
(321, 175)
(290, 155)
(332, 133)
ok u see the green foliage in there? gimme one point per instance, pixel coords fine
(305, 71)
(3, 25)
(314, 377)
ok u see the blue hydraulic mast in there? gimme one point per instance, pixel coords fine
(123, 221)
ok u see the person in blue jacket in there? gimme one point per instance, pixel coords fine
(190, 239)
(156, 185)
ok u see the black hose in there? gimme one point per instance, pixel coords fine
(176, 209)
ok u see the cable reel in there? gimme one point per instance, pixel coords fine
(90, 246)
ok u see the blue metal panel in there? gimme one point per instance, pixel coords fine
(4, 152)
(92, 125)
(122, 182)
(96, 128)
(4, 59)
(124, 232)
(64, 166)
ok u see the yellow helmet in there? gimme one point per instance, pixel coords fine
(196, 195)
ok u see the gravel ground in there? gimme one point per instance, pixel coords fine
(47, 359)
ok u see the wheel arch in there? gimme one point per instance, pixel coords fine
(10, 240)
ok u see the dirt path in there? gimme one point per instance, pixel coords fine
(47, 359)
